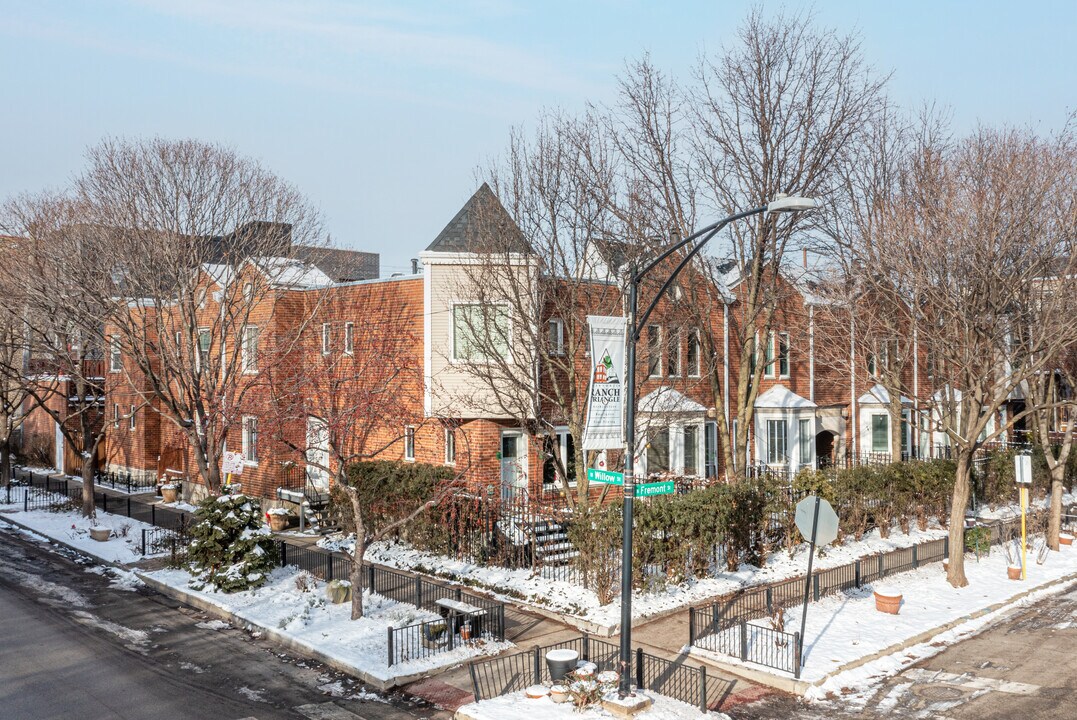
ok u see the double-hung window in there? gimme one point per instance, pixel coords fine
(557, 336)
(131, 418)
(248, 350)
(691, 449)
(880, 433)
(203, 347)
(673, 353)
(349, 338)
(654, 351)
(250, 440)
(804, 440)
(115, 355)
(562, 443)
(777, 447)
(409, 443)
(658, 451)
(450, 446)
(777, 355)
(693, 354)
(116, 415)
(327, 338)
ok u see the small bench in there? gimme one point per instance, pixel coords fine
(454, 611)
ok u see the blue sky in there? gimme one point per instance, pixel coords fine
(382, 111)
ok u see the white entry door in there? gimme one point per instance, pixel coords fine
(59, 448)
(317, 452)
(513, 464)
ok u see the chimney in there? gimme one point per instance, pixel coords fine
(805, 251)
(415, 266)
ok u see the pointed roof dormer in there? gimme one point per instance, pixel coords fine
(482, 225)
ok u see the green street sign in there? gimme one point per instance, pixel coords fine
(607, 477)
(657, 488)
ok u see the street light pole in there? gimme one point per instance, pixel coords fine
(781, 203)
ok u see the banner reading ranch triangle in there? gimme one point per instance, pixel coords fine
(605, 398)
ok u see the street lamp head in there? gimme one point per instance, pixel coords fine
(784, 203)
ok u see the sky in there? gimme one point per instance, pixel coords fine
(383, 112)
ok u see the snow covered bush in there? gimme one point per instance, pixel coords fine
(231, 549)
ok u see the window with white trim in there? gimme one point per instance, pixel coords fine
(349, 338)
(116, 415)
(804, 430)
(777, 355)
(880, 433)
(777, 446)
(557, 336)
(480, 331)
(693, 353)
(654, 351)
(327, 338)
(450, 446)
(658, 451)
(204, 340)
(691, 449)
(115, 355)
(131, 419)
(250, 440)
(409, 443)
(248, 350)
(565, 446)
(673, 353)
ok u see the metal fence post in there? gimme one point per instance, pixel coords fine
(815, 587)
(104, 502)
(328, 567)
(153, 514)
(639, 668)
(586, 647)
(946, 547)
(370, 577)
(26, 500)
(143, 541)
(128, 506)
(856, 572)
(691, 626)
(283, 547)
(770, 601)
(501, 622)
(390, 644)
(799, 650)
(702, 689)
(474, 681)
(743, 640)
(450, 626)
(418, 591)
(880, 556)
(915, 557)
(538, 666)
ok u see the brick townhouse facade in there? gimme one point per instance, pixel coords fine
(337, 326)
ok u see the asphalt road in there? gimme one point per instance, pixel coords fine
(77, 641)
(1024, 666)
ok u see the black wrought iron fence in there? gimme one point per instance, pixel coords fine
(512, 673)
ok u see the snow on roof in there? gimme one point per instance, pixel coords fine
(667, 400)
(780, 396)
(879, 395)
(943, 395)
(287, 272)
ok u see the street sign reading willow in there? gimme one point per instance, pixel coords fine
(605, 397)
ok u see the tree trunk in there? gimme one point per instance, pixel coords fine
(896, 420)
(956, 574)
(1054, 526)
(89, 468)
(5, 461)
(358, 553)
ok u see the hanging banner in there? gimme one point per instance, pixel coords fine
(605, 397)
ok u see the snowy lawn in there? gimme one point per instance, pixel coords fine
(575, 601)
(517, 706)
(846, 627)
(70, 527)
(308, 618)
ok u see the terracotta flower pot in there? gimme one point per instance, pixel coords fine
(100, 534)
(169, 494)
(887, 601)
(1014, 573)
(1065, 539)
(278, 522)
(946, 566)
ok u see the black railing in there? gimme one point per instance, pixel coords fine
(125, 481)
(512, 673)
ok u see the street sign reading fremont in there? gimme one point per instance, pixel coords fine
(658, 488)
(607, 477)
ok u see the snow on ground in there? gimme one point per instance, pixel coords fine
(573, 600)
(70, 527)
(118, 579)
(517, 706)
(180, 506)
(846, 627)
(311, 620)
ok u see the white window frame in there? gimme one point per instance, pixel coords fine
(478, 359)
(248, 420)
(409, 443)
(673, 352)
(700, 450)
(804, 441)
(132, 418)
(772, 445)
(248, 355)
(556, 333)
(694, 370)
(115, 355)
(450, 446)
(349, 338)
(782, 338)
(562, 434)
(655, 349)
(327, 338)
(116, 415)
(871, 429)
(199, 350)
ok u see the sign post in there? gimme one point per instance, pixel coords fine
(818, 522)
(1023, 474)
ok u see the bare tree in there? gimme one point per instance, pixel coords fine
(63, 318)
(356, 393)
(971, 240)
(200, 251)
(14, 354)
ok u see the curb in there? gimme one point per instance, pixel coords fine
(285, 641)
(801, 687)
